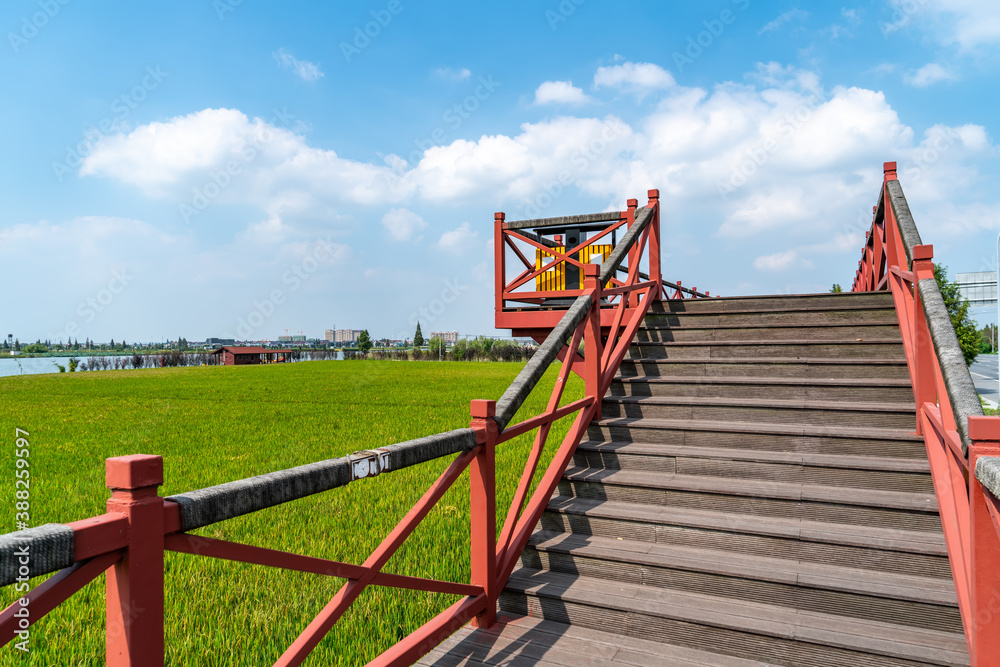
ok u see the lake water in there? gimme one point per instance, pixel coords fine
(19, 366)
(36, 365)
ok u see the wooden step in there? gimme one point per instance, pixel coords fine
(684, 331)
(750, 349)
(754, 436)
(732, 626)
(918, 601)
(776, 411)
(797, 367)
(828, 389)
(815, 316)
(775, 302)
(865, 472)
(915, 552)
(752, 497)
(535, 642)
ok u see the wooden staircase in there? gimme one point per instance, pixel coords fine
(754, 494)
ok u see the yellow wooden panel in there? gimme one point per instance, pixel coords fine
(554, 280)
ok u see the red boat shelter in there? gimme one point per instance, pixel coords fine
(242, 356)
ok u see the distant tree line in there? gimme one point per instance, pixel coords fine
(477, 349)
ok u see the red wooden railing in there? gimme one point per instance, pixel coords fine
(949, 414)
(129, 541)
(559, 246)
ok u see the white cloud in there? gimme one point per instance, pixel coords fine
(782, 19)
(453, 74)
(966, 24)
(402, 224)
(780, 261)
(772, 164)
(560, 92)
(460, 241)
(304, 69)
(247, 160)
(927, 75)
(636, 75)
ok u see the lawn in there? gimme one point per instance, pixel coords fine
(217, 424)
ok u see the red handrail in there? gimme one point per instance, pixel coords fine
(955, 432)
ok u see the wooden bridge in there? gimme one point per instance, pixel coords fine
(780, 480)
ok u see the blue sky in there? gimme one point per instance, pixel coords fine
(241, 168)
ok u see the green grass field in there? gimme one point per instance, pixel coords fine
(217, 424)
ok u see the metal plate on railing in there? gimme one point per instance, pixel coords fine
(369, 463)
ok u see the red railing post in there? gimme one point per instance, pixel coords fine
(633, 254)
(499, 260)
(924, 384)
(985, 630)
(593, 349)
(654, 245)
(134, 585)
(483, 509)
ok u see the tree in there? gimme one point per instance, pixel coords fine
(364, 342)
(17, 345)
(418, 337)
(836, 289)
(436, 347)
(958, 310)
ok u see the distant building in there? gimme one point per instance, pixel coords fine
(449, 337)
(346, 335)
(213, 342)
(291, 339)
(328, 335)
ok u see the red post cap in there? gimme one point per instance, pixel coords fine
(889, 167)
(483, 409)
(923, 252)
(133, 472)
(984, 428)
(500, 215)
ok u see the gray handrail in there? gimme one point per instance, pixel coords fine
(957, 381)
(232, 499)
(904, 219)
(988, 474)
(584, 219)
(34, 552)
(50, 547)
(525, 382)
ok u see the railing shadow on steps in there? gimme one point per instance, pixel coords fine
(129, 540)
(963, 446)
